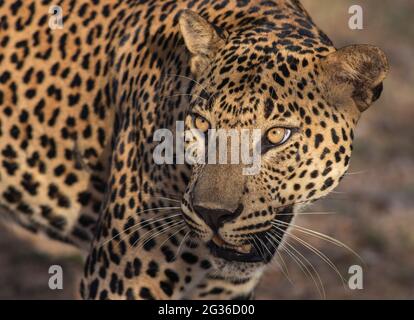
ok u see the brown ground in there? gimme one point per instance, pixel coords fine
(374, 205)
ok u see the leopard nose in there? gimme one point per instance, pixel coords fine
(215, 218)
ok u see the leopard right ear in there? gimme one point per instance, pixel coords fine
(355, 72)
(201, 38)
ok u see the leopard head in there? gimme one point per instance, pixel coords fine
(306, 101)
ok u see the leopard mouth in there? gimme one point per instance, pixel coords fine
(248, 253)
(261, 250)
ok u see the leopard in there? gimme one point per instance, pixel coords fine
(83, 96)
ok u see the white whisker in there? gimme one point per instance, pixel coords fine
(139, 225)
(181, 244)
(317, 252)
(282, 266)
(183, 94)
(166, 227)
(304, 213)
(172, 235)
(320, 287)
(318, 235)
(155, 209)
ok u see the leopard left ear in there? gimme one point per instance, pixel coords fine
(201, 38)
(356, 72)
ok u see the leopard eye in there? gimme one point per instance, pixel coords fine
(278, 135)
(201, 123)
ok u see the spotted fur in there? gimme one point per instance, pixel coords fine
(79, 107)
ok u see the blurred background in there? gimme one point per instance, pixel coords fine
(372, 211)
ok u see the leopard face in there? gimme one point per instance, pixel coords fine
(305, 106)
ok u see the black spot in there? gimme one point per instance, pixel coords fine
(137, 266)
(166, 288)
(152, 269)
(71, 179)
(130, 294)
(113, 284)
(328, 182)
(283, 68)
(168, 253)
(279, 80)
(149, 244)
(172, 275)
(318, 140)
(12, 195)
(146, 294)
(335, 137)
(189, 258)
(93, 289)
(205, 264)
(268, 107)
(84, 197)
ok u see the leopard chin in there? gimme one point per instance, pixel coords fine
(236, 270)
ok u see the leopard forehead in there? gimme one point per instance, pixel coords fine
(258, 78)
